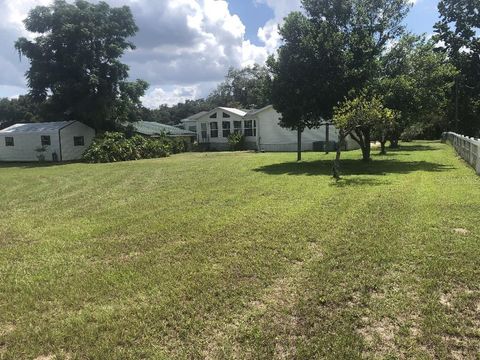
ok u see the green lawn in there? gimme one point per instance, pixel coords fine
(242, 256)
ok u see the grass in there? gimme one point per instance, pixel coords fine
(242, 256)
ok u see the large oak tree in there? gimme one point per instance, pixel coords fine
(329, 52)
(75, 67)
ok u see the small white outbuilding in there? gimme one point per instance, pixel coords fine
(49, 141)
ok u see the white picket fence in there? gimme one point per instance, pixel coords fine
(467, 147)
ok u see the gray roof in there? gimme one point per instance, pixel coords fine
(46, 127)
(153, 128)
(194, 117)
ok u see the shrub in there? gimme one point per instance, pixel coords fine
(114, 147)
(178, 145)
(236, 141)
(412, 132)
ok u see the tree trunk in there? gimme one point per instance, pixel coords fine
(366, 149)
(383, 141)
(299, 144)
(394, 141)
(336, 163)
(383, 149)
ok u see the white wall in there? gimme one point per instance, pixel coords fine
(273, 137)
(25, 146)
(220, 142)
(69, 151)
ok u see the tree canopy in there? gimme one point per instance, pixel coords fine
(416, 80)
(458, 31)
(328, 53)
(75, 67)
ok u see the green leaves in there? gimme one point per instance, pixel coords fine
(328, 52)
(362, 112)
(75, 61)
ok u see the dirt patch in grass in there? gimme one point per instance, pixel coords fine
(7, 329)
(274, 311)
(461, 231)
(462, 308)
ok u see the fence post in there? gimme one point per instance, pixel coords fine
(478, 158)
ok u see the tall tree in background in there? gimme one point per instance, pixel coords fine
(247, 88)
(415, 80)
(458, 30)
(22, 109)
(75, 66)
(330, 53)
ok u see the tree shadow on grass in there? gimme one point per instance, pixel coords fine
(409, 148)
(32, 165)
(357, 181)
(353, 167)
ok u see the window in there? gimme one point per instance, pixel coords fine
(214, 129)
(226, 128)
(250, 128)
(237, 127)
(46, 140)
(78, 141)
(204, 131)
(9, 141)
(213, 116)
(225, 115)
(192, 129)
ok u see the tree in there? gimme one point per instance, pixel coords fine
(22, 109)
(75, 63)
(360, 118)
(331, 51)
(415, 80)
(458, 30)
(248, 88)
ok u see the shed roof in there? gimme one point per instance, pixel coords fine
(153, 128)
(46, 127)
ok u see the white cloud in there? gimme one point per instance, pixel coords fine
(158, 96)
(268, 34)
(181, 45)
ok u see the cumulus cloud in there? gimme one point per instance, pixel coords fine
(268, 34)
(158, 96)
(182, 44)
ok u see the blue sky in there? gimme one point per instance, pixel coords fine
(184, 47)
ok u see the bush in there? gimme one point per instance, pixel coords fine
(412, 132)
(236, 141)
(178, 145)
(114, 147)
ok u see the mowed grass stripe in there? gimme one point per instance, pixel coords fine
(251, 252)
(196, 248)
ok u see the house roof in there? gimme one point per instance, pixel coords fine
(46, 127)
(153, 128)
(195, 116)
(256, 111)
(234, 111)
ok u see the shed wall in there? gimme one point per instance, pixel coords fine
(69, 150)
(26, 145)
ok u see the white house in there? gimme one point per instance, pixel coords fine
(261, 130)
(50, 141)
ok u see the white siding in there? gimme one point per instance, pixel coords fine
(273, 137)
(69, 151)
(220, 142)
(25, 146)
